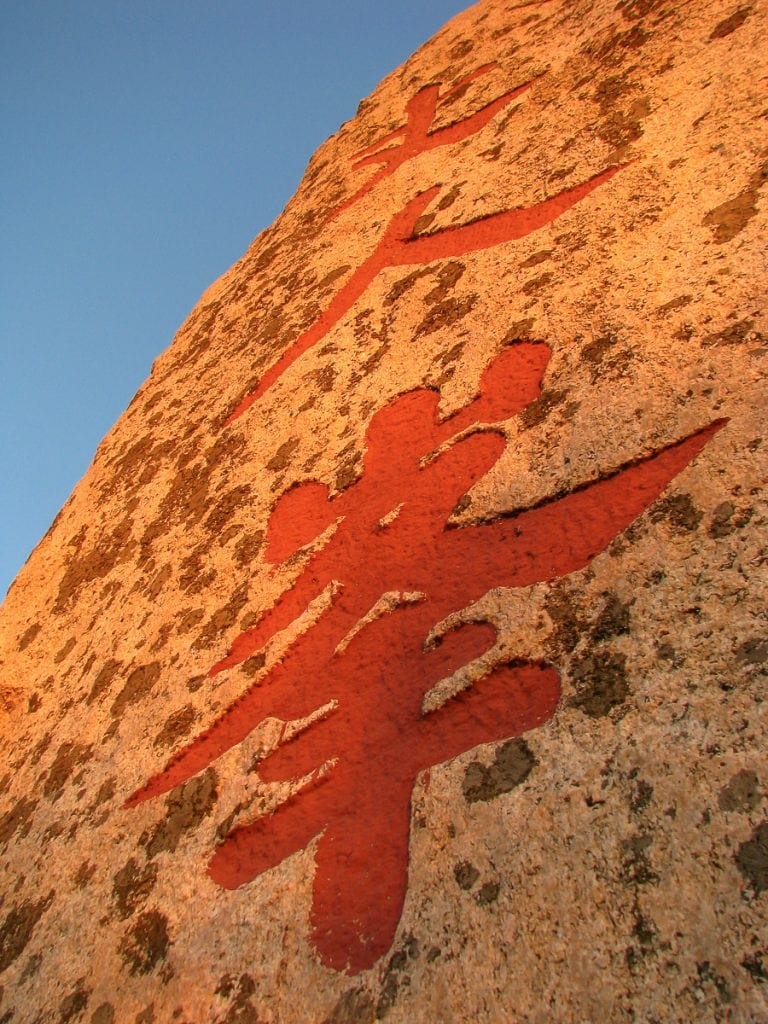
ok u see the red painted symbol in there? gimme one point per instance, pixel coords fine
(416, 136)
(370, 672)
(399, 246)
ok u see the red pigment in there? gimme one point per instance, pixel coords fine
(416, 135)
(358, 811)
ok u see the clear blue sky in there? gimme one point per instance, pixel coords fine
(145, 143)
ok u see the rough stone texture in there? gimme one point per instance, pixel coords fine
(612, 865)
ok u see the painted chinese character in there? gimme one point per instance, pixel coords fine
(399, 245)
(395, 566)
(417, 135)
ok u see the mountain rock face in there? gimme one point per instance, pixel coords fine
(402, 654)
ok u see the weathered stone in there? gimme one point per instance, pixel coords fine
(410, 623)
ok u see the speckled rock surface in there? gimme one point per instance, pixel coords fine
(576, 204)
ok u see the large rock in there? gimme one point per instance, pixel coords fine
(307, 723)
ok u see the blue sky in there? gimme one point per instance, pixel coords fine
(145, 144)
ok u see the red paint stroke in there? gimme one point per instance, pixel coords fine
(358, 810)
(416, 136)
(398, 246)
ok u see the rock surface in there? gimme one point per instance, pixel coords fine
(305, 723)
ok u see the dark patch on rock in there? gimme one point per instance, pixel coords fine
(462, 48)
(146, 1016)
(248, 548)
(535, 259)
(40, 748)
(68, 757)
(567, 619)
(753, 651)
(16, 930)
(29, 635)
(730, 24)
(562, 172)
(132, 886)
(537, 284)
(493, 153)
(399, 288)
(447, 278)
(636, 867)
(466, 874)
(707, 973)
(72, 1006)
(105, 792)
(755, 966)
(733, 334)
(60, 655)
(536, 412)
(725, 519)
(666, 652)
(189, 619)
(600, 680)
(18, 819)
(391, 981)
(616, 48)
(620, 127)
(193, 577)
(226, 507)
(596, 351)
(104, 1014)
(138, 685)
(321, 381)
(333, 276)
(227, 534)
(613, 620)
(634, 10)
(678, 510)
(187, 497)
(253, 664)
(752, 859)
(511, 766)
(354, 1007)
(176, 726)
(102, 681)
(349, 471)
(488, 893)
(644, 932)
(732, 216)
(451, 355)
(742, 793)
(642, 794)
(186, 807)
(84, 874)
(721, 520)
(242, 1009)
(34, 703)
(673, 304)
(223, 619)
(109, 550)
(282, 457)
(31, 968)
(146, 943)
(446, 314)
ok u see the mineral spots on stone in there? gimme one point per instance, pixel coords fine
(752, 859)
(512, 764)
(146, 943)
